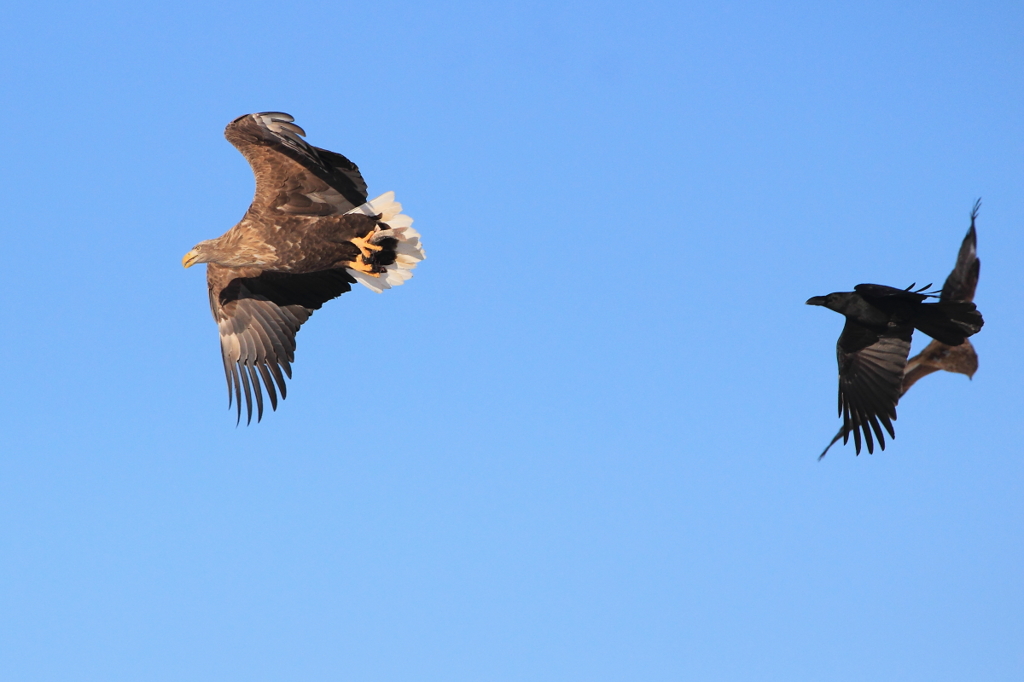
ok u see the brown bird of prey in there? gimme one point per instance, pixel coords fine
(958, 288)
(308, 236)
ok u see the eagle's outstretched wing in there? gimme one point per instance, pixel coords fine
(292, 176)
(962, 282)
(258, 314)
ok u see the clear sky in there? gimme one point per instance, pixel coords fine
(581, 443)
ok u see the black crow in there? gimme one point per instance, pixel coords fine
(873, 348)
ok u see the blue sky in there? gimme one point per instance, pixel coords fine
(581, 443)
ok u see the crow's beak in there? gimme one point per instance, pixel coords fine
(816, 300)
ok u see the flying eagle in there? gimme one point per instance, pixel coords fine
(937, 355)
(308, 235)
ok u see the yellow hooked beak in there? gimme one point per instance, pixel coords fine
(190, 258)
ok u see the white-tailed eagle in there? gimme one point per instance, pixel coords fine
(308, 235)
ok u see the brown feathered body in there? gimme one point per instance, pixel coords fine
(308, 235)
(294, 244)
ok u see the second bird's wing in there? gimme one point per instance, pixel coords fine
(962, 282)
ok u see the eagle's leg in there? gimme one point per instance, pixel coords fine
(367, 248)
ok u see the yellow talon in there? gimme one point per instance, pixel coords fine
(362, 266)
(364, 245)
(366, 249)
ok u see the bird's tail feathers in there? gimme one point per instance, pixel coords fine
(949, 322)
(395, 234)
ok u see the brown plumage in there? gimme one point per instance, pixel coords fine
(308, 235)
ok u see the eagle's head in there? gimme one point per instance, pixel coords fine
(203, 252)
(232, 250)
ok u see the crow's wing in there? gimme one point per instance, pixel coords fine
(871, 365)
(873, 292)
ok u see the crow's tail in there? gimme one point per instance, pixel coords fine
(949, 322)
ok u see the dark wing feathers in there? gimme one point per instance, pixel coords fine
(881, 291)
(870, 376)
(340, 169)
(258, 315)
(293, 176)
(962, 282)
